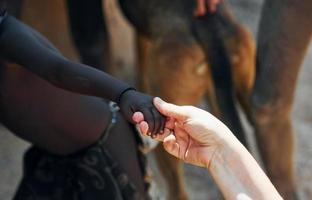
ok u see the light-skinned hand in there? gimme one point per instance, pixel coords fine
(191, 134)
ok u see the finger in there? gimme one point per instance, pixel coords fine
(148, 117)
(157, 121)
(200, 8)
(128, 114)
(143, 127)
(161, 137)
(170, 123)
(171, 146)
(170, 110)
(162, 124)
(138, 117)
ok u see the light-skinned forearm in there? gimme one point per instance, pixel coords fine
(238, 175)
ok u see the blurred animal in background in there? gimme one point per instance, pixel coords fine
(182, 59)
(90, 32)
(284, 36)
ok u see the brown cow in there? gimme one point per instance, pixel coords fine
(175, 67)
(284, 35)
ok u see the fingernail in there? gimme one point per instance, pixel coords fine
(158, 100)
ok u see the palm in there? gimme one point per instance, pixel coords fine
(188, 148)
(191, 134)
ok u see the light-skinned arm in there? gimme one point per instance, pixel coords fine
(198, 138)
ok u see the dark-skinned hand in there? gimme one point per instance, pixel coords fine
(133, 101)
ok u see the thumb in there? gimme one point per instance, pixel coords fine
(170, 110)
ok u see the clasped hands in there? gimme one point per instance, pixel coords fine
(190, 134)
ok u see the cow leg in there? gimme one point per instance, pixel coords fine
(284, 35)
(163, 64)
(209, 34)
(242, 50)
(90, 32)
(143, 47)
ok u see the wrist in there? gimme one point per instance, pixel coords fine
(228, 148)
(122, 94)
(236, 172)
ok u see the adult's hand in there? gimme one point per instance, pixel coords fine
(192, 134)
(199, 138)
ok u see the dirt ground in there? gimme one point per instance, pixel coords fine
(200, 185)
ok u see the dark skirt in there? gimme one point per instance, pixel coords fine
(91, 174)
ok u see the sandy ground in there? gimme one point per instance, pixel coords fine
(200, 185)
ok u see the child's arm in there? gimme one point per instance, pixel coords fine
(19, 45)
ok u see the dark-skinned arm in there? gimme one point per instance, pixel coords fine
(19, 45)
